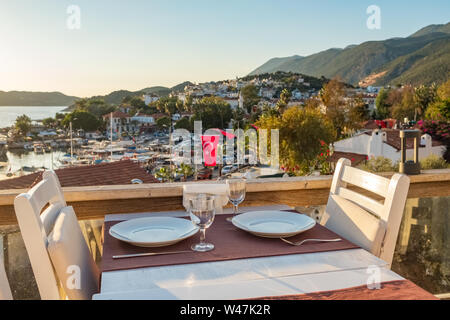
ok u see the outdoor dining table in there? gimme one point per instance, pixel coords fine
(341, 272)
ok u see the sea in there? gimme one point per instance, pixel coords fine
(14, 161)
(8, 115)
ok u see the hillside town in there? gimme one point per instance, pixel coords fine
(92, 132)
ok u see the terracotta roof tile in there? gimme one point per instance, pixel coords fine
(393, 139)
(115, 173)
(117, 114)
(371, 124)
(355, 158)
(159, 115)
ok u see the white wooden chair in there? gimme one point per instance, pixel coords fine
(5, 290)
(371, 224)
(45, 231)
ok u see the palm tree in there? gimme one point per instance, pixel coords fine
(23, 124)
(81, 104)
(186, 171)
(285, 98)
(188, 103)
(165, 174)
(180, 106)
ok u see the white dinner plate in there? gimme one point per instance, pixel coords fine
(274, 224)
(154, 231)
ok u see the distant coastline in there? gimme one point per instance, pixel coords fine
(33, 99)
(8, 114)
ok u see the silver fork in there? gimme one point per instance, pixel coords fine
(309, 240)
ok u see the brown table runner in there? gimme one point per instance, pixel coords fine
(230, 243)
(395, 290)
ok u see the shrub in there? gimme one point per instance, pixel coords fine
(304, 138)
(438, 130)
(433, 162)
(379, 164)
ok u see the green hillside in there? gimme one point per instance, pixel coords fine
(402, 59)
(116, 97)
(23, 98)
(180, 87)
(425, 66)
(277, 64)
(444, 28)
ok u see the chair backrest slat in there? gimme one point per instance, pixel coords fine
(366, 180)
(49, 216)
(48, 191)
(367, 203)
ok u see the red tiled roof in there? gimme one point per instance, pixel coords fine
(371, 124)
(115, 173)
(143, 115)
(377, 124)
(393, 139)
(355, 158)
(159, 115)
(117, 114)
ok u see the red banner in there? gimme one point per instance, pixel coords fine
(209, 144)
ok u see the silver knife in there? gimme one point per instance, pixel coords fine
(149, 254)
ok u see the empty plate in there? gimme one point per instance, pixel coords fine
(153, 231)
(274, 224)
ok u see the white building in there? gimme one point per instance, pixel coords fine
(297, 94)
(223, 87)
(241, 84)
(231, 94)
(371, 89)
(121, 122)
(176, 117)
(143, 118)
(267, 93)
(93, 135)
(370, 101)
(387, 144)
(241, 101)
(148, 99)
(233, 102)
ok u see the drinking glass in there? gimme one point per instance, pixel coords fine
(202, 210)
(236, 193)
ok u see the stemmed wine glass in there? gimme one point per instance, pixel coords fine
(236, 193)
(202, 210)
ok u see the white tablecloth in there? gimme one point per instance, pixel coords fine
(245, 278)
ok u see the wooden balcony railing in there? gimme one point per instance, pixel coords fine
(97, 201)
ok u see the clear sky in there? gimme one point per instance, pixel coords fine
(141, 43)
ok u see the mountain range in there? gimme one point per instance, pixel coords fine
(422, 58)
(25, 98)
(116, 97)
